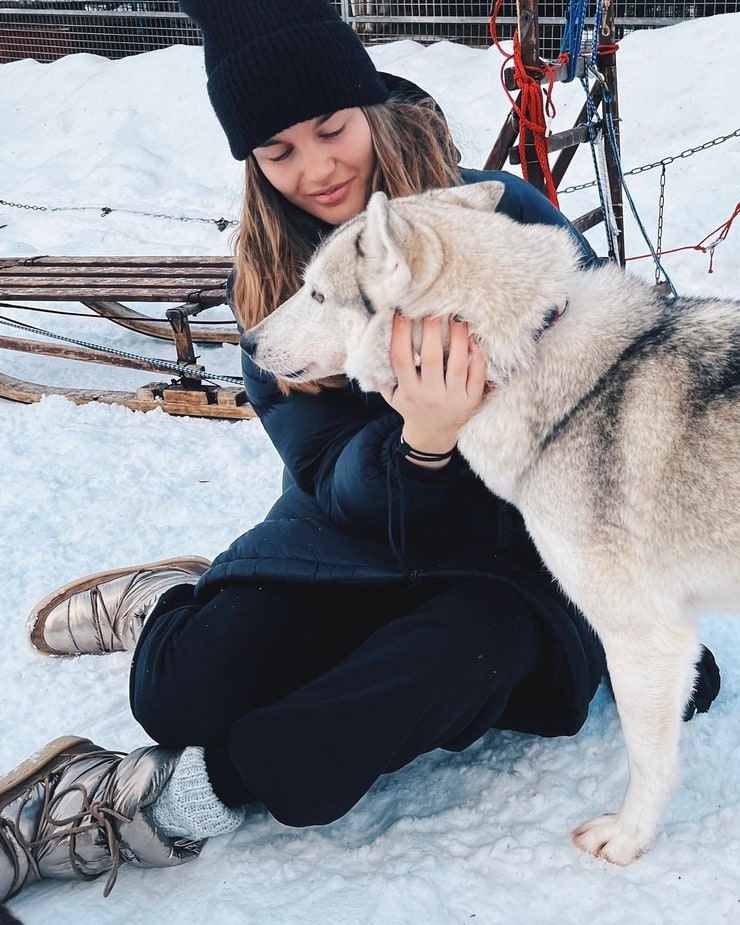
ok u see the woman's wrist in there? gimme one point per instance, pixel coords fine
(424, 455)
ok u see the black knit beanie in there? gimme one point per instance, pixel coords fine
(273, 63)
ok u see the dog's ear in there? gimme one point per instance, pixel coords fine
(381, 240)
(484, 196)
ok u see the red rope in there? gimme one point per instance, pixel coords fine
(702, 246)
(533, 108)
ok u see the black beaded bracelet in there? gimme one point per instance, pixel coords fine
(410, 453)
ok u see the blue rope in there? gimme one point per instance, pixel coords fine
(572, 41)
(597, 31)
(572, 44)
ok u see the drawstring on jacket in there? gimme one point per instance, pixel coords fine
(392, 474)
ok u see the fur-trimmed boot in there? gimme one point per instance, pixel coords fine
(105, 612)
(75, 810)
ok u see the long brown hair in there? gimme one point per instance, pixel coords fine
(275, 240)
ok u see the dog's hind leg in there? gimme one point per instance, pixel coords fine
(652, 671)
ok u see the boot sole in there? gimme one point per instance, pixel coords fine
(38, 765)
(37, 618)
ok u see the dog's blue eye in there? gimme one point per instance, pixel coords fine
(317, 296)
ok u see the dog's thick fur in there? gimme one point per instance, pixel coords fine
(615, 431)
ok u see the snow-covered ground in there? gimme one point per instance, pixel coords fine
(482, 836)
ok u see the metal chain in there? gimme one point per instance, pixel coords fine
(661, 163)
(24, 205)
(612, 135)
(162, 364)
(221, 223)
(659, 238)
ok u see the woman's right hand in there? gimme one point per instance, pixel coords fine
(435, 395)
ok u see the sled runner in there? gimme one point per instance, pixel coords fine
(107, 286)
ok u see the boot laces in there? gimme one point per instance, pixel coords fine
(108, 625)
(101, 818)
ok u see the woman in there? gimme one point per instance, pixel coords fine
(388, 605)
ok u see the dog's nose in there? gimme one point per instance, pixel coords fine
(248, 343)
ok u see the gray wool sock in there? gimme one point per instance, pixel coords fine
(187, 805)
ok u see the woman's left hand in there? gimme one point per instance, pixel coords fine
(435, 396)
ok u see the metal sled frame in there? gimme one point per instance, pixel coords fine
(103, 285)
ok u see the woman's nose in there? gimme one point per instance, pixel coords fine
(318, 165)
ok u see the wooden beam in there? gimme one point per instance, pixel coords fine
(506, 138)
(560, 73)
(565, 157)
(570, 138)
(143, 324)
(225, 404)
(588, 220)
(85, 354)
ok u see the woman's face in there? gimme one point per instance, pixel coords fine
(323, 166)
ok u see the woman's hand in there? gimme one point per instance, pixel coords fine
(433, 396)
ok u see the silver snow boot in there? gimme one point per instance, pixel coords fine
(77, 810)
(105, 612)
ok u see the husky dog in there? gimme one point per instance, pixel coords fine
(615, 431)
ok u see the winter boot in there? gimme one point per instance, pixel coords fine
(105, 612)
(77, 810)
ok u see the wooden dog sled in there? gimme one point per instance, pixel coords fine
(108, 286)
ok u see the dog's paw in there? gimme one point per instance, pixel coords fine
(604, 837)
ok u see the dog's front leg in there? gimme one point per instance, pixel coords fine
(652, 672)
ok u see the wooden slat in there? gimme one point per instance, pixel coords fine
(144, 399)
(570, 138)
(563, 160)
(194, 280)
(136, 292)
(506, 138)
(46, 261)
(143, 324)
(588, 220)
(85, 354)
(560, 74)
(55, 280)
(156, 274)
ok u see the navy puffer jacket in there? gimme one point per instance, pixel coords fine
(355, 511)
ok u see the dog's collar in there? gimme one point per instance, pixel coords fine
(552, 316)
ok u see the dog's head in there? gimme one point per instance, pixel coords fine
(444, 253)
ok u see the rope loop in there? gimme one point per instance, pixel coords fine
(535, 104)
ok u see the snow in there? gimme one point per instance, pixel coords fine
(482, 836)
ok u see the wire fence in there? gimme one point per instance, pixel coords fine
(49, 29)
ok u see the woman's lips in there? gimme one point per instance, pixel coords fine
(332, 195)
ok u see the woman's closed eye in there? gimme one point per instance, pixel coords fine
(327, 136)
(282, 156)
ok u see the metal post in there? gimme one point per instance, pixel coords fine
(607, 65)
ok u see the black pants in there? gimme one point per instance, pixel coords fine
(304, 695)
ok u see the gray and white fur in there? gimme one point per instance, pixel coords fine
(615, 431)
